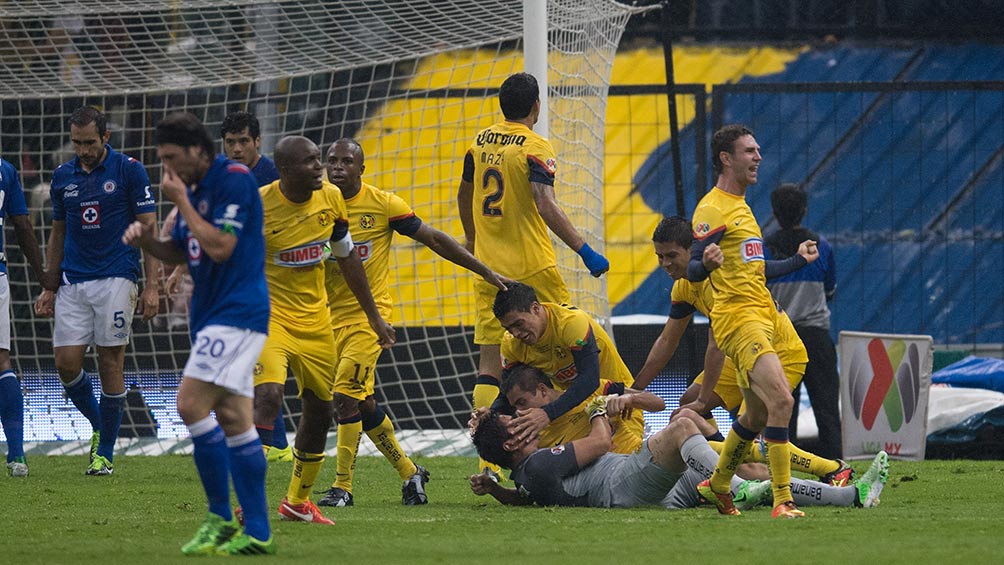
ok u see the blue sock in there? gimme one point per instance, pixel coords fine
(12, 414)
(111, 419)
(210, 454)
(247, 467)
(81, 393)
(279, 440)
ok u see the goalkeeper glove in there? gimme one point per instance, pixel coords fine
(596, 263)
(597, 406)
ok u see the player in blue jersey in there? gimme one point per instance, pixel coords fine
(220, 234)
(13, 209)
(94, 197)
(241, 134)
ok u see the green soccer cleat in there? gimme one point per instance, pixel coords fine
(95, 440)
(275, 454)
(99, 466)
(870, 484)
(214, 532)
(753, 493)
(243, 544)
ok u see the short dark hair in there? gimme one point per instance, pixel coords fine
(522, 376)
(674, 229)
(516, 297)
(517, 96)
(789, 202)
(236, 122)
(90, 115)
(185, 130)
(725, 140)
(489, 440)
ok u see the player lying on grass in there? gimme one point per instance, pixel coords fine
(666, 471)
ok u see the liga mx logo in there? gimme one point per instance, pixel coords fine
(885, 378)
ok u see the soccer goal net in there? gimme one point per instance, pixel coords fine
(412, 80)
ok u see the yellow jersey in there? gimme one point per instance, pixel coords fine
(739, 285)
(296, 245)
(688, 296)
(510, 236)
(374, 216)
(567, 328)
(574, 424)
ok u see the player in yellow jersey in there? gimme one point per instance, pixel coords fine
(563, 342)
(717, 386)
(374, 216)
(507, 203)
(525, 387)
(305, 222)
(728, 248)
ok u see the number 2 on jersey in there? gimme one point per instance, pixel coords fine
(492, 204)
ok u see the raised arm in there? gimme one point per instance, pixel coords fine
(448, 248)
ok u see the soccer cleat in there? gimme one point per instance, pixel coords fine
(413, 490)
(95, 440)
(275, 454)
(871, 483)
(100, 466)
(307, 511)
(213, 532)
(787, 510)
(722, 501)
(18, 467)
(243, 544)
(752, 493)
(336, 497)
(842, 477)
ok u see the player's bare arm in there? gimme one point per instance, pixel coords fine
(482, 484)
(558, 222)
(355, 277)
(465, 196)
(24, 232)
(707, 399)
(149, 303)
(143, 236)
(632, 399)
(662, 351)
(448, 248)
(45, 304)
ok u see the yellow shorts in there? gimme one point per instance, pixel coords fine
(726, 388)
(357, 349)
(307, 352)
(750, 338)
(487, 330)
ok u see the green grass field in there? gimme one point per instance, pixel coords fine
(931, 512)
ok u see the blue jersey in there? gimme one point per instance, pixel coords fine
(97, 207)
(232, 293)
(11, 203)
(265, 171)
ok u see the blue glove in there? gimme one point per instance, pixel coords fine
(596, 263)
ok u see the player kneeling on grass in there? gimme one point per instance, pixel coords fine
(664, 472)
(220, 234)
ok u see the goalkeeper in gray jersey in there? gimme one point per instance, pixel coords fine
(664, 472)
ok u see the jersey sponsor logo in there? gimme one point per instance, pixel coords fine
(364, 249)
(551, 164)
(702, 228)
(566, 374)
(557, 450)
(90, 215)
(71, 193)
(367, 221)
(752, 249)
(491, 137)
(109, 186)
(303, 255)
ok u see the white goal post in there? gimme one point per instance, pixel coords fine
(412, 80)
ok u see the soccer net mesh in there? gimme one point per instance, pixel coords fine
(412, 80)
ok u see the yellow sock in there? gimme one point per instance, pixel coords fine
(306, 466)
(349, 434)
(485, 392)
(811, 463)
(717, 446)
(778, 457)
(385, 440)
(732, 455)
